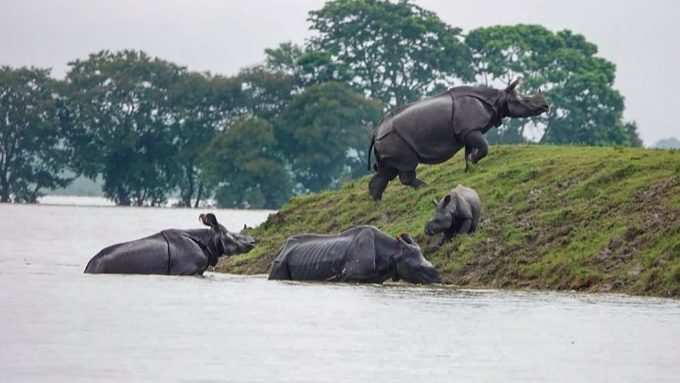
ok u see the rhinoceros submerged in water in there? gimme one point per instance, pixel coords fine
(432, 130)
(362, 254)
(172, 252)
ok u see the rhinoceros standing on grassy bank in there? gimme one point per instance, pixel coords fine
(172, 252)
(432, 130)
(362, 254)
(457, 213)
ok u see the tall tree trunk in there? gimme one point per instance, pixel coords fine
(123, 200)
(139, 199)
(4, 183)
(4, 194)
(189, 193)
(4, 189)
(198, 194)
(122, 197)
(33, 197)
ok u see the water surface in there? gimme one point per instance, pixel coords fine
(59, 325)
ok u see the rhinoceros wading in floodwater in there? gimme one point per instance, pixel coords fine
(432, 130)
(362, 254)
(457, 213)
(173, 252)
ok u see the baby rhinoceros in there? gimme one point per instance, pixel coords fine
(457, 213)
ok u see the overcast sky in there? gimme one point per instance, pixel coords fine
(221, 36)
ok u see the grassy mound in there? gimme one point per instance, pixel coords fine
(554, 217)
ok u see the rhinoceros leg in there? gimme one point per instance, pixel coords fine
(187, 257)
(445, 238)
(476, 147)
(379, 182)
(459, 226)
(360, 264)
(468, 155)
(465, 226)
(408, 178)
(395, 157)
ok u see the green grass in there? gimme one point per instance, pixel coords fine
(554, 217)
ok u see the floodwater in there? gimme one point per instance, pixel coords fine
(59, 325)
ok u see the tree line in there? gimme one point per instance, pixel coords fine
(299, 122)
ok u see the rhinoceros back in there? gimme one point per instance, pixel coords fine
(472, 198)
(316, 258)
(143, 256)
(426, 126)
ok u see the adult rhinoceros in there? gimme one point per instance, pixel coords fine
(361, 254)
(432, 130)
(173, 252)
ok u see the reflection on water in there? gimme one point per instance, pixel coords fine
(73, 200)
(65, 200)
(61, 325)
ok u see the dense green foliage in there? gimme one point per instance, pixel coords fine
(395, 51)
(245, 165)
(325, 130)
(562, 217)
(585, 108)
(33, 149)
(668, 143)
(119, 108)
(201, 105)
(152, 129)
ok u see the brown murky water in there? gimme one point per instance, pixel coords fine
(59, 325)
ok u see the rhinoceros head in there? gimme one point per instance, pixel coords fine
(231, 243)
(411, 265)
(442, 219)
(519, 105)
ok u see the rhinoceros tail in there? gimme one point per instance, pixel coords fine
(370, 150)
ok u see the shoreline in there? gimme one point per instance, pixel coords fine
(555, 218)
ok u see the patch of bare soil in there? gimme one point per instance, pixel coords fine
(652, 217)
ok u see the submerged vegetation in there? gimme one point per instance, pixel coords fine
(554, 217)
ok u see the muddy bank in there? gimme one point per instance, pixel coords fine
(577, 218)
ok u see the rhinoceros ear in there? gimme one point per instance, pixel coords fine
(447, 200)
(513, 85)
(209, 220)
(406, 237)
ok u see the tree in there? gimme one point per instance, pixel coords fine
(668, 143)
(265, 92)
(585, 108)
(632, 131)
(33, 149)
(306, 66)
(510, 132)
(200, 105)
(394, 52)
(325, 132)
(244, 164)
(122, 119)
